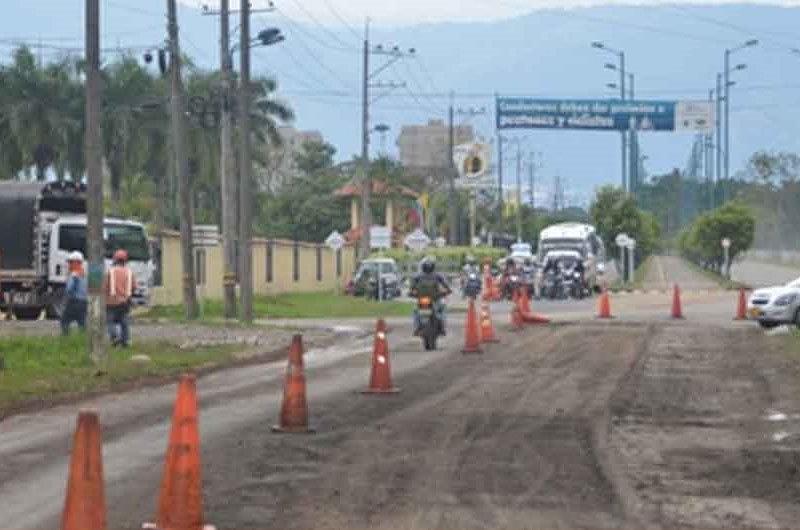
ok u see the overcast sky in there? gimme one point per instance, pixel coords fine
(334, 12)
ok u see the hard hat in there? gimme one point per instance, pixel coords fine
(75, 256)
(121, 255)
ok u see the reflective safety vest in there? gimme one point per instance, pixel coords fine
(119, 285)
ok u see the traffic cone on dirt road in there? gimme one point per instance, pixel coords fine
(741, 310)
(524, 307)
(472, 336)
(677, 309)
(294, 411)
(604, 306)
(85, 505)
(380, 381)
(516, 318)
(488, 334)
(180, 502)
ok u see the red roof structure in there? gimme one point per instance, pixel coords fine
(379, 188)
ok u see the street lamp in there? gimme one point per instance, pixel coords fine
(621, 68)
(748, 44)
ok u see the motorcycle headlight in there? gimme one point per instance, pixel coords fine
(786, 300)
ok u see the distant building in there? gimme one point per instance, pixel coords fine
(282, 166)
(426, 147)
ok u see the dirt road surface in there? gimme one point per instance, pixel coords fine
(640, 422)
(666, 271)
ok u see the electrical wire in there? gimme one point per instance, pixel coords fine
(344, 22)
(316, 21)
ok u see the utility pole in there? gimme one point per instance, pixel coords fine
(625, 180)
(227, 166)
(366, 182)
(633, 159)
(519, 193)
(710, 158)
(719, 134)
(532, 180)
(94, 204)
(178, 110)
(245, 170)
(452, 207)
(727, 92)
(500, 197)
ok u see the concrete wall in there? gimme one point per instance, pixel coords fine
(287, 276)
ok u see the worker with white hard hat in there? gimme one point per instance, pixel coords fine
(76, 294)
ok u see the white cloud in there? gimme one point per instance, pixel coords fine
(419, 11)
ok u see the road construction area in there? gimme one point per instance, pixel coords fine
(637, 421)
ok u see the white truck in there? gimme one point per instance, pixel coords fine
(40, 224)
(575, 237)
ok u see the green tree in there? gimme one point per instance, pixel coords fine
(702, 242)
(614, 212)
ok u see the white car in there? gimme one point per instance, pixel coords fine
(776, 306)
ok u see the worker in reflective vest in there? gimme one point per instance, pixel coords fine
(119, 291)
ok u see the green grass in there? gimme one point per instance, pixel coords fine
(50, 368)
(295, 305)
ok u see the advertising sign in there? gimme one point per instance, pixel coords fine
(604, 115)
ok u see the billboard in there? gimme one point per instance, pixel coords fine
(604, 115)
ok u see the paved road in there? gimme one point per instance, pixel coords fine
(763, 274)
(666, 271)
(578, 424)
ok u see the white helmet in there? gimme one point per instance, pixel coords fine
(75, 256)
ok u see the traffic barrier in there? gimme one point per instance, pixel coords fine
(604, 310)
(85, 504)
(472, 337)
(488, 286)
(180, 502)
(516, 318)
(677, 308)
(488, 334)
(294, 411)
(741, 310)
(380, 381)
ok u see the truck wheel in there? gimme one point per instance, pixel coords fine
(27, 313)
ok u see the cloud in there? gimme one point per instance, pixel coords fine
(392, 12)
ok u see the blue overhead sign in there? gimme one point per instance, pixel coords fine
(604, 115)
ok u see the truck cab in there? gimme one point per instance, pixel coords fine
(43, 223)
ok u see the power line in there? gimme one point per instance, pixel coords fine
(299, 27)
(133, 9)
(316, 21)
(341, 19)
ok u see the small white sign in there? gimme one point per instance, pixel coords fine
(726, 243)
(631, 244)
(417, 240)
(441, 242)
(205, 235)
(380, 237)
(694, 116)
(622, 240)
(335, 241)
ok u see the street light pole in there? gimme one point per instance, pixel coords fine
(227, 167)
(246, 170)
(727, 120)
(366, 183)
(623, 134)
(519, 193)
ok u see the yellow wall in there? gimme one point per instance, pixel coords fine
(283, 269)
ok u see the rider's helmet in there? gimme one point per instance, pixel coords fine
(120, 256)
(528, 262)
(75, 257)
(428, 265)
(470, 259)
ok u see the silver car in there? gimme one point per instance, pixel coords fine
(776, 306)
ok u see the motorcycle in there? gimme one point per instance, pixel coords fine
(510, 286)
(430, 327)
(472, 285)
(552, 287)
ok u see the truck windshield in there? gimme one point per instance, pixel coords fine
(118, 236)
(562, 244)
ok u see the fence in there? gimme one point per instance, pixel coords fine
(279, 266)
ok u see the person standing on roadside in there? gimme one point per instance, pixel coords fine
(76, 295)
(119, 284)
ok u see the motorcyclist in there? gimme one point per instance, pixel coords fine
(528, 273)
(470, 268)
(433, 285)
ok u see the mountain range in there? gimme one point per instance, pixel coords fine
(674, 51)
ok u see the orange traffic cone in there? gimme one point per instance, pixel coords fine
(516, 318)
(487, 328)
(524, 301)
(85, 505)
(380, 381)
(741, 310)
(294, 411)
(604, 305)
(677, 310)
(487, 284)
(472, 342)
(180, 503)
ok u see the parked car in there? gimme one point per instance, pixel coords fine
(776, 306)
(364, 280)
